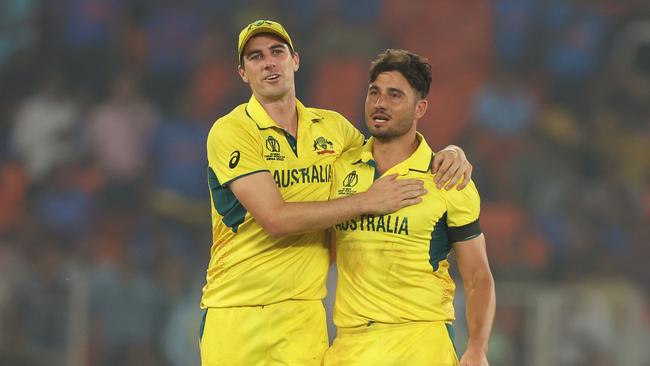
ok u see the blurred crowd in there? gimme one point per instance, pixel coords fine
(105, 107)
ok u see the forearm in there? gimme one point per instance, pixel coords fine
(262, 199)
(481, 300)
(292, 218)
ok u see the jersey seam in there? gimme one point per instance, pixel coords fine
(243, 175)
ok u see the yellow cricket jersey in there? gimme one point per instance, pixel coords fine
(393, 268)
(247, 265)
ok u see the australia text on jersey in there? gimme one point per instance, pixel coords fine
(312, 174)
(383, 223)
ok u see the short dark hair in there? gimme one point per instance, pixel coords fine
(415, 68)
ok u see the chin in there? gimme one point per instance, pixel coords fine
(380, 135)
(274, 94)
(378, 129)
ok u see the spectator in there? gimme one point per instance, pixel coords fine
(118, 131)
(44, 128)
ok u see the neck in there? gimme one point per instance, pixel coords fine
(282, 111)
(389, 153)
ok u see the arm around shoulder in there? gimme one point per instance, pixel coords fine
(450, 165)
(261, 197)
(259, 194)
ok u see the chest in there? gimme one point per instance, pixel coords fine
(413, 224)
(304, 160)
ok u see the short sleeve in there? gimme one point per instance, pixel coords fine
(353, 138)
(234, 150)
(463, 209)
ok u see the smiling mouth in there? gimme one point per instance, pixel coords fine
(380, 118)
(272, 77)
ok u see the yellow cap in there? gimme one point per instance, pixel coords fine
(261, 26)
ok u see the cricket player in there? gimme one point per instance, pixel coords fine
(270, 174)
(394, 298)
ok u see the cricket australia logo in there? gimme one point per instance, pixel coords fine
(323, 146)
(349, 181)
(273, 146)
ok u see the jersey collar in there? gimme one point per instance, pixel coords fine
(419, 161)
(257, 113)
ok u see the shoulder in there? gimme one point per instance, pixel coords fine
(328, 115)
(338, 126)
(232, 124)
(463, 207)
(236, 117)
(454, 196)
(349, 157)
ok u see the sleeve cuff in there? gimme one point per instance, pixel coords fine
(465, 232)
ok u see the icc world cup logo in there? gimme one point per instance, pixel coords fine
(351, 179)
(272, 144)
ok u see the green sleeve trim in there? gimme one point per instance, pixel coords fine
(439, 245)
(225, 202)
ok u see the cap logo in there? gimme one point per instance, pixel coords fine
(259, 23)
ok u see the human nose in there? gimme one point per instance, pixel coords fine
(379, 100)
(269, 62)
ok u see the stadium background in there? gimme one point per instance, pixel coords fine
(104, 110)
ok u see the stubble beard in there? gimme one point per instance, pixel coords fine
(386, 134)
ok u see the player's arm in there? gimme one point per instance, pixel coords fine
(450, 165)
(261, 197)
(477, 278)
(330, 239)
